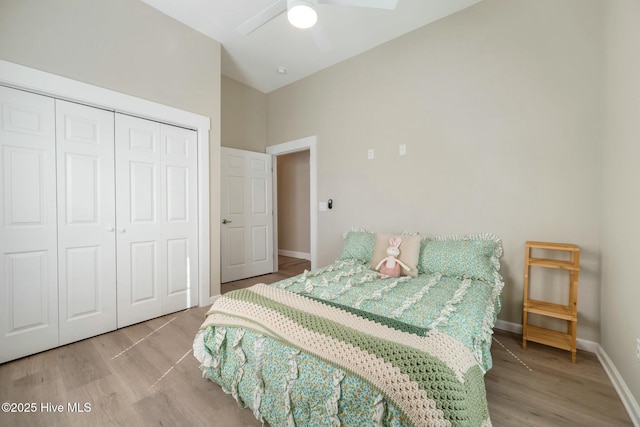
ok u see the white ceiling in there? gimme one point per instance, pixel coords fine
(341, 32)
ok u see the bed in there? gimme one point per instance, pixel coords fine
(341, 345)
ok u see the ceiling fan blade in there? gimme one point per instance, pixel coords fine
(376, 4)
(261, 18)
(321, 39)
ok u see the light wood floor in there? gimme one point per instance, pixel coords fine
(146, 375)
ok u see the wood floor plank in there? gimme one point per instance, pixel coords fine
(146, 375)
(540, 386)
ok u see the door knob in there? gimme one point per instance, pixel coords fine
(122, 230)
(111, 229)
(226, 221)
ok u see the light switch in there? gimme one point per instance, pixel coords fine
(322, 206)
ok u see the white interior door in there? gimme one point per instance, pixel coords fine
(28, 246)
(156, 217)
(246, 208)
(86, 221)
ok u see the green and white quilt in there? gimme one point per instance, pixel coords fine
(342, 346)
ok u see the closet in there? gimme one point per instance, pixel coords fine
(99, 221)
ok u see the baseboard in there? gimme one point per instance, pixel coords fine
(295, 254)
(581, 344)
(629, 402)
(213, 298)
(516, 328)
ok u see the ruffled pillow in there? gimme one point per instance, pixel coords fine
(474, 256)
(358, 245)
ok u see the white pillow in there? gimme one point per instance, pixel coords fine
(409, 252)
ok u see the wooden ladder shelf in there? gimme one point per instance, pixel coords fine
(565, 341)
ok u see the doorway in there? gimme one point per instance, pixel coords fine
(296, 146)
(291, 182)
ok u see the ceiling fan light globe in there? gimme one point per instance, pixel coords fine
(302, 16)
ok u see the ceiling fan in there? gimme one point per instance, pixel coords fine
(302, 13)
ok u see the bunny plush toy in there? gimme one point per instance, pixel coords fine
(391, 265)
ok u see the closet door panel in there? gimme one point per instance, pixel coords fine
(180, 229)
(138, 217)
(144, 286)
(86, 221)
(28, 249)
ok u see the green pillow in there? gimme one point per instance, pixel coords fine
(358, 245)
(475, 257)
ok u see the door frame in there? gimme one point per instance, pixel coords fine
(302, 144)
(41, 82)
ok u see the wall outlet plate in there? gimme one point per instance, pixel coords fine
(370, 153)
(638, 348)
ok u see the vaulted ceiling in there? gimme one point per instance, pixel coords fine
(277, 54)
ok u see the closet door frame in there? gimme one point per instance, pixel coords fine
(25, 78)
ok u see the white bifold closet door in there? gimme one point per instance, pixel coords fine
(157, 230)
(86, 221)
(28, 241)
(98, 221)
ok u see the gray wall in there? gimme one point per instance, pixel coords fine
(293, 202)
(244, 116)
(620, 292)
(500, 107)
(128, 47)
